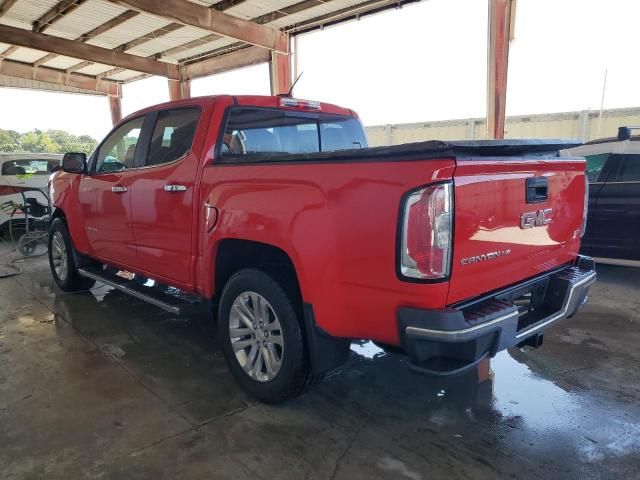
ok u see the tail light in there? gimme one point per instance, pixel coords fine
(585, 210)
(426, 233)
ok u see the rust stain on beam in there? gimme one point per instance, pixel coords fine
(62, 46)
(189, 13)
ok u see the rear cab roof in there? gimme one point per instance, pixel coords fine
(261, 101)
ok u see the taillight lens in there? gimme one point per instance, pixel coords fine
(426, 233)
(585, 210)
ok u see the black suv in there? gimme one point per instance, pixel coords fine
(613, 224)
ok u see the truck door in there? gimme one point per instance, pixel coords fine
(617, 212)
(105, 195)
(162, 195)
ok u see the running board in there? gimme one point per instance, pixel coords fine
(178, 305)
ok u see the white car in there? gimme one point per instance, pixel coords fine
(22, 170)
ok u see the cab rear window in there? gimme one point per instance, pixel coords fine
(265, 131)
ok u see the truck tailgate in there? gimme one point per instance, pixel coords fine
(503, 234)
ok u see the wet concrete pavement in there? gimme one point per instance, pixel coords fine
(99, 385)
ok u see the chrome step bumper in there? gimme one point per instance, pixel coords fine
(452, 340)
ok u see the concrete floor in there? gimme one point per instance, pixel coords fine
(99, 385)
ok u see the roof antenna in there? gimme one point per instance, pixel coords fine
(293, 85)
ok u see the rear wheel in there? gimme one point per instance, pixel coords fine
(62, 260)
(261, 337)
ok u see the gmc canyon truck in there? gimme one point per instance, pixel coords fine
(273, 212)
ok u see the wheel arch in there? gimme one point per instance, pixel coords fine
(324, 351)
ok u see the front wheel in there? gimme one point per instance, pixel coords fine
(261, 337)
(62, 260)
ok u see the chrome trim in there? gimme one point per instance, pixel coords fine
(565, 309)
(461, 335)
(141, 167)
(175, 309)
(175, 188)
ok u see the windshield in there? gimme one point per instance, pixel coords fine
(269, 131)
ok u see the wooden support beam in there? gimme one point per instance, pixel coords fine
(108, 25)
(58, 11)
(179, 90)
(501, 17)
(188, 13)
(57, 77)
(79, 66)
(188, 46)
(290, 10)
(172, 27)
(45, 59)
(280, 73)
(115, 106)
(8, 51)
(223, 5)
(6, 5)
(223, 63)
(62, 46)
(134, 43)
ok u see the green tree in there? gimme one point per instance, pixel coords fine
(50, 141)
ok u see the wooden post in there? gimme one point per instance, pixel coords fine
(179, 89)
(280, 73)
(501, 18)
(115, 105)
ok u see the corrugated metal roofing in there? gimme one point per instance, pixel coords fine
(145, 30)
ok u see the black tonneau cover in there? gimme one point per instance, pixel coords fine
(413, 151)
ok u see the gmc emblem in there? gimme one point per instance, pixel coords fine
(535, 219)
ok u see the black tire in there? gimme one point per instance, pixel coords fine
(71, 281)
(294, 374)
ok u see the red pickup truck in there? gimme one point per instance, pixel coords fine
(276, 214)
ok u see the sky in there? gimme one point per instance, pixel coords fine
(423, 62)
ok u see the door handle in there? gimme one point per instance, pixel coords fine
(118, 189)
(175, 188)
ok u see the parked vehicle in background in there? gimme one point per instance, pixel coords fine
(25, 171)
(613, 225)
(274, 211)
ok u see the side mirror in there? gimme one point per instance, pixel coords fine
(74, 162)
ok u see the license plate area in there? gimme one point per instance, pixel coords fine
(530, 302)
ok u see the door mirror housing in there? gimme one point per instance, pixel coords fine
(74, 162)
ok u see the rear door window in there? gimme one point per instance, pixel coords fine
(256, 131)
(173, 135)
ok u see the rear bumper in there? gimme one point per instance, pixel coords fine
(445, 342)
